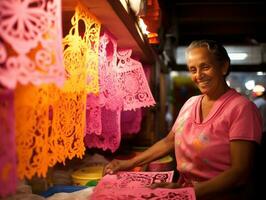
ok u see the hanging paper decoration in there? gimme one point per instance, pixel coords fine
(50, 120)
(132, 82)
(8, 175)
(135, 185)
(30, 42)
(131, 121)
(104, 110)
(111, 132)
(109, 97)
(93, 115)
(84, 49)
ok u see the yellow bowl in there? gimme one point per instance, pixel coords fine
(86, 174)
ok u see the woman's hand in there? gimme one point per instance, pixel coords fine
(117, 165)
(165, 185)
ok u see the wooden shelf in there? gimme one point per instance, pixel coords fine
(122, 25)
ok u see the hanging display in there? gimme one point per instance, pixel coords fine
(104, 110)
(56, 116)
(132, 83)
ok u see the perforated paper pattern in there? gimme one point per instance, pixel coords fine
(50, 127)
(134, 185)
(8, 175)
(104, 110)
(30, 42)
(110, 136)
(132, 82)
(109, 97)
(146, 194)
(55, 117)
(84, 49)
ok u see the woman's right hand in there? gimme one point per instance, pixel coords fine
(117, 165)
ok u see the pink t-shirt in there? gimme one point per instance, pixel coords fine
(203, 148)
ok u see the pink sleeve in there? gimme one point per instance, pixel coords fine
(246, 123)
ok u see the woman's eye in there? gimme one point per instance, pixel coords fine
(192, 70)
(206, 67)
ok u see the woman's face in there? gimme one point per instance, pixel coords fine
(205, 71)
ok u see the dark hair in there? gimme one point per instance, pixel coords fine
(215, 48)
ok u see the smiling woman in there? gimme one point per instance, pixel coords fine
(215, 134)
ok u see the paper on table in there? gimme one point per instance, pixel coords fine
(134, 185)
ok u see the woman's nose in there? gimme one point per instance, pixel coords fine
(199, 74)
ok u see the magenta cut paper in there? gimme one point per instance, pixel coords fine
(134, 185)
(104, 111)
(108, 97)
(133, 180)
(8, 175)
(111, 132)
(131, 121)
(31, 42)
(132, 82)
(146, 194)
(143, 179)
(93, 115)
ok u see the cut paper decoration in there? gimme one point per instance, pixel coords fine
(83, 49)
(134, 185)
(142, 179)
(109, 96)
(55, 117)
(30, 42)
(131, 82)
(130, 180)
(93, 115)
(104, 110)
(146, 194)
(50, 125)
(111, 136)
(8, 175)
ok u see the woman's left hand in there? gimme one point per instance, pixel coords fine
(165, 185)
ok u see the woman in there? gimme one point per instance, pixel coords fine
(215, 134)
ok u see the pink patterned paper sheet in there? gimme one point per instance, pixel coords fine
(108, 96)
(111, 132)
(103, 113)
(146, 194)
(132, 82)
(134, 185)
(133, 180)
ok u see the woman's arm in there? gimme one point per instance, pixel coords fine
(242, 158)
(159, 149)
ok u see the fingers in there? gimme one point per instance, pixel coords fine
(107, 169)
(111, 168)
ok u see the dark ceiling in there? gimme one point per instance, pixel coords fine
(229, 22)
